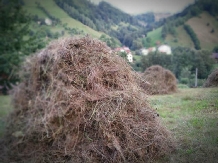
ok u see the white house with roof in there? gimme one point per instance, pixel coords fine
(130, 57)
(127, 51)
(145, 51)
(165, 49)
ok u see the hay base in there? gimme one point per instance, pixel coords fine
(79, 102)
(212, 80)
(158, 80)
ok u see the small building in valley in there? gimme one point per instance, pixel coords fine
(165, 49)
(125, 49)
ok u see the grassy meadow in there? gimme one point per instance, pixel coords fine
(182, 38)
(202, 26)
(155, 36)
(31, 8)
(191, 115)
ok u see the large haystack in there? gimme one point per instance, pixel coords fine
(161, 80)
(79, 102)
(212, 80)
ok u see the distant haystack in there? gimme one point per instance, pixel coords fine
(212, 80)
(79, 102)
(158, 80)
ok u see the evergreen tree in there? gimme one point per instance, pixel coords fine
(13, 45)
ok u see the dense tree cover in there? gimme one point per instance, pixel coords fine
(215, 49)
(146, 17)
(168, 28)
(14, 40)
(111, 42)
(68, 7)
(103, 17)
(193, 36)
(183, 62)
(209, 5)
(147, 42)
(137, 44)
(156, 58)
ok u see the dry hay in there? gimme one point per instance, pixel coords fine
(212, 80)
(79, 102)
(161, 80)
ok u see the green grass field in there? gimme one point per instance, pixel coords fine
(182, 39)
(53, 9)
(203, 26)
(155, 36)
(191, 115)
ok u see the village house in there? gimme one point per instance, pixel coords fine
(127, 51)
(162, 49)
(165, 49)
(145, 51)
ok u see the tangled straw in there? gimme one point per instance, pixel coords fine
(80, 102)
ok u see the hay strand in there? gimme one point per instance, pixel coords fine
(80, 102)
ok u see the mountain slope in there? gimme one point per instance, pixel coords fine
(31, 7)
(205, 26)
(206, 29)
(73, 17)
(106, 18)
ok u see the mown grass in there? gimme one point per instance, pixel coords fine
(181, 38)
(192, 117)
(203, 25)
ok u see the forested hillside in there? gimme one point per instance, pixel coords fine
(104, 17)
(195, 27)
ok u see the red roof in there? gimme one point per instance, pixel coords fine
(126, 49)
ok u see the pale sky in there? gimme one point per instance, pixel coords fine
(142, 6)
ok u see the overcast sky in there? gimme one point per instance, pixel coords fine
(141, 6)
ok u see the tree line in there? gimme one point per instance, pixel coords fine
(103, 17)
(193, 10)
(15, 42)
(193, 36)
(182, 63)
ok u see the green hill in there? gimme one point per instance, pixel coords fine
(195, 27)
(106, 22)
(53, 9)
(205, 26)
(83, 17)
(206, 29)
